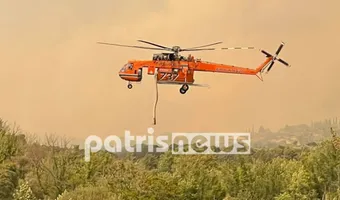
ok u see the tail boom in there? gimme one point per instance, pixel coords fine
(267, 64)
(220, 68)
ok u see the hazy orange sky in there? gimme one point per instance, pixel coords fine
(56, 79)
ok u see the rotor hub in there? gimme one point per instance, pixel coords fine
(176, 49)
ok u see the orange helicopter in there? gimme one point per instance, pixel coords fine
(172, 68)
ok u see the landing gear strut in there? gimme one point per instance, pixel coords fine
(184, 88)
(129, 86)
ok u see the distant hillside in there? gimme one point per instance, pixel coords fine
(300, 134)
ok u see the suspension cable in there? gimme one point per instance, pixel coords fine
(156, 99)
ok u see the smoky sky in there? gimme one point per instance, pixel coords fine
(56, 79)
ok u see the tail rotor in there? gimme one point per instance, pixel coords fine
(275, 57)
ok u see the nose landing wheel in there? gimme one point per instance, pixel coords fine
(184, 89)
(129, 86)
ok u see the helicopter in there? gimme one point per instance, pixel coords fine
(173, 68)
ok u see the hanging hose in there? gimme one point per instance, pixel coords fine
(156, 100)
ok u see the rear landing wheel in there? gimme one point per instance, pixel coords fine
(129, 86)
(184, 89)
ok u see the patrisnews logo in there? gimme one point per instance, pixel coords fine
(181, 143)
(210, 143)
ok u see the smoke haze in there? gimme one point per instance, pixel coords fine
(56, 79)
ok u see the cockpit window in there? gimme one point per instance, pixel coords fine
(126, 66)
(129, 65)
(123, 69)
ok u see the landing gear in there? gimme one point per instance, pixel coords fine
(129, 86)
(184, 89)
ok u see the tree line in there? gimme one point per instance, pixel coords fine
(53, 170)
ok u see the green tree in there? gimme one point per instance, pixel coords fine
(165, 162)
(24, 192)
(8, 180)
(323, 165)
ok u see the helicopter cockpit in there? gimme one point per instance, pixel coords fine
(129, 73)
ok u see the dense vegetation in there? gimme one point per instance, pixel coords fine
(53, 170)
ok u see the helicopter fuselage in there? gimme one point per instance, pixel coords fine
(167, 71)
(181, 71)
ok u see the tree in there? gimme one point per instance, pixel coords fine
(8, 180)
(24, 192)
(11, 141)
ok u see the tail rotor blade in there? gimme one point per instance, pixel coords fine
(266, 53)
(270, 66)
(283, 62)
(280, 48)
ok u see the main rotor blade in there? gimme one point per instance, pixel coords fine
(120, 45)
(205, 45)
(237, 48)
(157, 45)
(197, 49)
